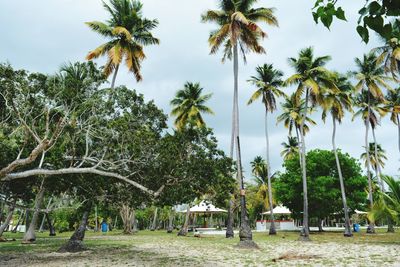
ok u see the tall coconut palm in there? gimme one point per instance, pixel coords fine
(127, 32)
(393, 106)
(189, 104)
(238, 30)
(268, 80)
(310, 75)
(377, 160)
(336, 102)
(290, 149)
(371, 79)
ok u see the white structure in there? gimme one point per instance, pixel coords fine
(204, 207)
(263, 225)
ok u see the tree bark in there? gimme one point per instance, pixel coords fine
(347, 230)
(11, 209)
(184, 230)
(371, 227)
(44, 217)
(390, 226)
(75, 243)
(305, 233)
(154, 224)
(127, 218)
(114, 77)
(96, 227)
(30, 235)
(320, 228)
(229, 226)
(398, 130)
(134, 223)
(378, 166)
(272, 230)
(20, 218)
(170, 221)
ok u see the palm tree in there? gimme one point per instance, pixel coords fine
(127, 32)
(310, 75)
(267, 82)
(336, 103)
(393, 106)
(237, 29)
(290, 149)
(389, 53)
(377, 160)
(370, 78)
(189, 104)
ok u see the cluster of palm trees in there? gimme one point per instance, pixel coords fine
(237, 33)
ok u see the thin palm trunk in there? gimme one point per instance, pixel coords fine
(170, 221)
(154, 224)
(114, 77)
(52, 231)
(299, 146)
(184, 230)
(378, 166)
(398, 130)
(75, 243)
(30, 235)
(305, 233)
(371, 228)
(11, 209)
(347, 230)
(272, 230)
(20, 219)
(44, 217)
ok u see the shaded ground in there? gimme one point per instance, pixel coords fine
(162, 249)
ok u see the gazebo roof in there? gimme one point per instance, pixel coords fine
(279, 210)
(205, 207)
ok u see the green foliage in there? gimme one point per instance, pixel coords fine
(323, 183)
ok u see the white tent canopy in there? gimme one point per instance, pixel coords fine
(360, 212)
(205, 207)
(279, 210)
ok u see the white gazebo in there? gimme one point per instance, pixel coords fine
(278, 210)
(263, 225)
(204, 207)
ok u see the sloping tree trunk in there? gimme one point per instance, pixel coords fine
(44, 217)
(170, 221)
(51, 226)
(184, 229)
(75, 243)
(371, 227)
(20, 219)
(114, 77)
(30, 235)
(347, 228)
(11, 209)
(154, 224)
(272, 230)
(305, 233)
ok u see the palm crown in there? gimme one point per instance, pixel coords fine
(127, 32)
(188, 105)
(375, 161)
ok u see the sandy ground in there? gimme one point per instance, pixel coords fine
(169, 250)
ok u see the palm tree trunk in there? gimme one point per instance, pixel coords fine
(299, 146)
(371, 227)
(30, 235)
(347, 228)
(11, 209)
(378, 166)
(305, 233)
(114, 77)
(154, 224)
(52, 231)
(184, 230)
(133, 221)
(20, 219)
(44, 217)
(398, 129)
(272, 230)
(170, 221)
(229, 226)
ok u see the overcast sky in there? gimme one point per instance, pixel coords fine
(41, 35)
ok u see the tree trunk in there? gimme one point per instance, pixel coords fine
(378, 166)
(170, 221)
(305, 233)
(154, 224)
(347, 230)
(96, 227)
(320, 229)
(127, 218)
(184, 230)
(390, 226)
(371, 227)
(134, 223)
(114, 77)
(272, 230)
(30, 235)
(51, 226)
(44, 217)
(11, 209)
(398, 129)
(75, 243)
(20, 219)
(229, 226)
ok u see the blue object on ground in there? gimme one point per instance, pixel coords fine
(356, 227)
(104, 227)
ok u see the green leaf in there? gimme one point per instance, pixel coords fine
(327, 20)
(316, 17)
(363, 32)
(374, 8)
(387, 31)
(340, 14)
(374, 22)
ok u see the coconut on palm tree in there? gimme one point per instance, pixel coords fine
(290, 149)
(238, 30)
(310, 75)
(127, 32)
(268, 80)
(189, 104)
(336, 102)
(371, 78)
